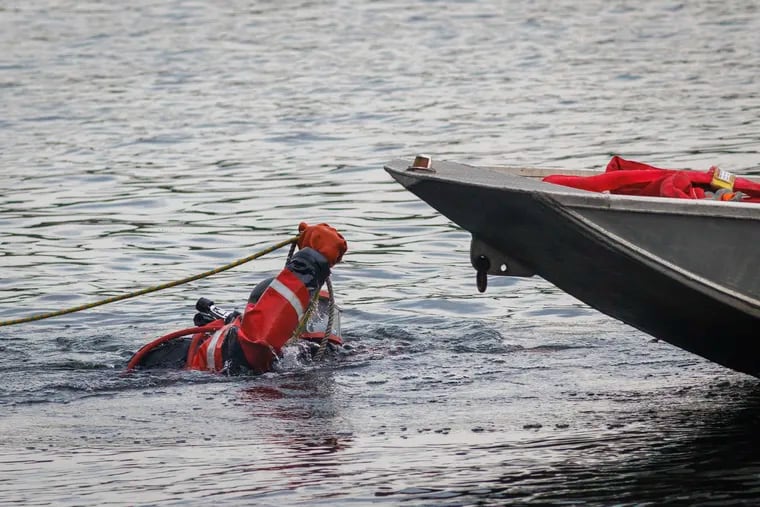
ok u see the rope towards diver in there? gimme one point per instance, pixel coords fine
(155, 288)
(330, 318)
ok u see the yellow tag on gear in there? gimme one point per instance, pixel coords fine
(722, 179)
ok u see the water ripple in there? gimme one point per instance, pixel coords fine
(147, 142)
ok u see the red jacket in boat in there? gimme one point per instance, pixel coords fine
(634, 178)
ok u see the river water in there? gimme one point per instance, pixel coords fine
(146, 141)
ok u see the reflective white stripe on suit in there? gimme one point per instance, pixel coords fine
(210, 362)
(289, 295)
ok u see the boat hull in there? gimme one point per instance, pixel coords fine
(633, 260)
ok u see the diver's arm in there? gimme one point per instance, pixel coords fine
(268, 324)
(274, 317)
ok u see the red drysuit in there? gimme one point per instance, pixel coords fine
(251, 342)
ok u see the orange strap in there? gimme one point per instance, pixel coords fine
(140, 354)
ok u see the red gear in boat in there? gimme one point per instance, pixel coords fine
(252, 341)
(634, 178)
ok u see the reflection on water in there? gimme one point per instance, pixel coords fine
(147, 143)
(291, 440)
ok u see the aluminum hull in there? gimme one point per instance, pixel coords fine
(682, 271)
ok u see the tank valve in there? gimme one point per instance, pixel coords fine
(482, 265)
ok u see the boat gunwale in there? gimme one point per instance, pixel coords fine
(578, 198)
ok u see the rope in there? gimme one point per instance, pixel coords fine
(304, 319)
(328, 329)
(148, 290)
(291, 252)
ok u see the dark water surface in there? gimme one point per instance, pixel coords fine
(147, 141)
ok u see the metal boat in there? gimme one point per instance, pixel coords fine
(684, 271)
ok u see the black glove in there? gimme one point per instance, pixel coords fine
(201, 319)
(232, 316)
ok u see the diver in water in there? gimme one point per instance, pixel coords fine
(233, 343)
